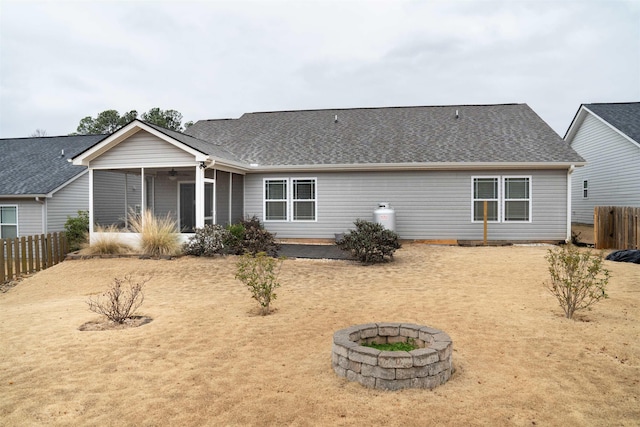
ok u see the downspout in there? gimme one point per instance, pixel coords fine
(569, 195)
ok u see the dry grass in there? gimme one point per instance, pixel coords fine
(207, 358)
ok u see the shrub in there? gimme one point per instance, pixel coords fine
(256, 239)
(76, 229)
(233, 244)
(578, 278)
(260, 274)
(158, 236)
(119, 302)
(107, 243)
(370, 242)
(208, 241)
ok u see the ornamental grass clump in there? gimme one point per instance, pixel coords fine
(260, 274)
(158, 235)
(106, 241)
(578, 278)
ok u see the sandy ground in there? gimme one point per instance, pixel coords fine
(207, 359)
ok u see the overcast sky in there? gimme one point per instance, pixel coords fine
(61, 61)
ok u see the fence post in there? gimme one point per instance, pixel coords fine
(49, 250)
(3, 276)
(23, 254)
(30, 253)
(16, 255)
(9, 259)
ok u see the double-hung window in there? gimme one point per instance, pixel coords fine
(517, 199)
(8, 222)
(585, 189)
(290, 199)
(508, 198)
(485, 189)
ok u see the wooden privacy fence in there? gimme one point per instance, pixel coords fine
(27, 254)
(616, 227)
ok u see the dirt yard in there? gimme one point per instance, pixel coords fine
(207, 359)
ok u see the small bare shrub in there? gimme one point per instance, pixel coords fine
(578, 278)
(121, 300)
(158, 236)
(260, 274)
(107, 243)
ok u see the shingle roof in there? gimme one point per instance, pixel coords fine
(35, 165)
(203, 146)
(623, 116)
(511, 133)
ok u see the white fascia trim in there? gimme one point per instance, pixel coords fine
(615, 129)
(50, 194)
(20, 196)
(417, 166)
(122, 134)
(575, 125)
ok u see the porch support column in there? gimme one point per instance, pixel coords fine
(91, 216)
(199, 197)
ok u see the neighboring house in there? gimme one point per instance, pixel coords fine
(39, 187)
(311, 174)
(607, 136)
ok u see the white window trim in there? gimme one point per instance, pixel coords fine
(473, 199)
(314, 200)
(289, 199)
(264, 199)
(501, 198)
(17, 220)
(504, 199)
(585, 188)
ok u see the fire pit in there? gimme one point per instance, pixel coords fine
(427, 366)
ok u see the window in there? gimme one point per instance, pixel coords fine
(485, 189)
(585, 189)
(8, 222)
(516, 199)
(508, 199)
(290, 199)
(275, 200)
(304, 199)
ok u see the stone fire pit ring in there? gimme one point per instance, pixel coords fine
(428, 366)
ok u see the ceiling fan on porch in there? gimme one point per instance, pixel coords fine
(173, 174)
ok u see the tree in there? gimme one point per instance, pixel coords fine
(110, 120)
(39, 133)
(168, 119)
(106, 122)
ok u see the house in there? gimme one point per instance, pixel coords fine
(607, 136)
(39, 186)
(310, 174)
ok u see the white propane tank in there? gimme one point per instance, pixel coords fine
(385, 216)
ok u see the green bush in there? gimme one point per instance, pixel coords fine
(233, 243)
(370, 242)
(578, 278)
(76, 230)
(260, 274)
(207, 241)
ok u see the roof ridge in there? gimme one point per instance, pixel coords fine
(381, 108)
(55, 136)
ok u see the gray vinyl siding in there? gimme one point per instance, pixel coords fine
(66, 202)
(30, 212)
(166, 197)
(429, 205)
(612, 170)
(143, 149)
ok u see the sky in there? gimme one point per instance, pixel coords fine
(61, 61)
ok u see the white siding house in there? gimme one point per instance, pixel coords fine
(607, 136)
